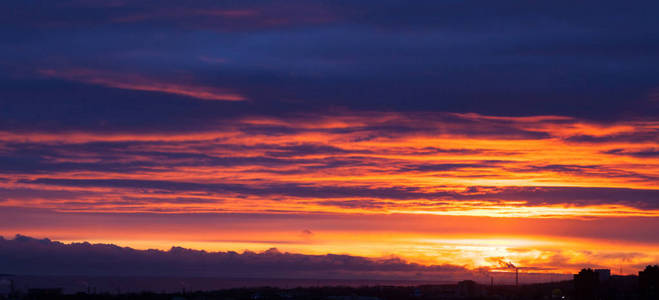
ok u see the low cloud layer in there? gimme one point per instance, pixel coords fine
(28, 256)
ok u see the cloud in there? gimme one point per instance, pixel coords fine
(312, 56)
(649, 152)
(352, 108)
(368, 162)
(493, 201)
(141, 83)
(209, 15)
(447, 167)
(306, 234)
(641, 137)
(25, 255)
(186, 13)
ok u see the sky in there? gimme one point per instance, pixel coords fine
(434, 138)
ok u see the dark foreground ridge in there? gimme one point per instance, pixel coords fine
(587, 285)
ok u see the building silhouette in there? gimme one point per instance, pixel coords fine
(469, 289)
(586, 284)
(648, 283)
(603, 274)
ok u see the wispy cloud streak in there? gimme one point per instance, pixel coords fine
(141, 83)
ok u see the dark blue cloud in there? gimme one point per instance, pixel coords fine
(592, 59)
(24, 255)
(640, 198)
(645, 153)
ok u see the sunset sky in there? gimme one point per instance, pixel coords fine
(462, 134)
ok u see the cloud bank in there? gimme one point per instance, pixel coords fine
(28, 256)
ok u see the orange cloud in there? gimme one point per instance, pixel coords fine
(553, 193)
